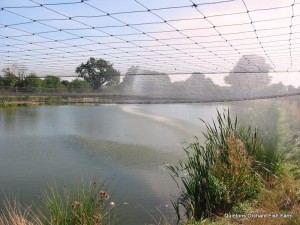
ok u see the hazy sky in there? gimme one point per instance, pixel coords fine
(173, 36)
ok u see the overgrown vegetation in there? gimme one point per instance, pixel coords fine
(89, 205)
(232, 167)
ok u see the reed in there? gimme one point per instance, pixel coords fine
(230, 168)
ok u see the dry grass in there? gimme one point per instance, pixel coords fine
(15, 214)
(236, 173)
(282, 200)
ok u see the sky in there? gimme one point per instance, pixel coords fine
(174, 37)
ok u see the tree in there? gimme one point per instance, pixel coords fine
(52, 83)
(10, 79)
(32, 82)
(19, 70)
(249, 78)
(149, 83)
(257, 76)
(79, 85)
(65, 83)
(199, 87)
(98, 72)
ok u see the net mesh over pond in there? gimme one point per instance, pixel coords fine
(170, 51)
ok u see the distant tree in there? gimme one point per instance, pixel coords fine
(79, 85)
(19, 71)
(292, 89)
(199, 87)
(65, 83)
(32, 82)
(9, 79)
(250, 72)
(129, 78)
(52, 83)
(98, 72)
(146, 82)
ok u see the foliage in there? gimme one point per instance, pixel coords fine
(52, 83)
(32, 82)
(79, 85)
(235, 175)
(239, 80)
(10, 79)
(266, 158)
(88, 206)
(98, 72)
(227, 171)
(65, 83)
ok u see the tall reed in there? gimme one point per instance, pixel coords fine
(229, 169)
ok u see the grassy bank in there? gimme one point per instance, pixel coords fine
(16, 99)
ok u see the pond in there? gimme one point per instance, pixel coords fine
(127, 146)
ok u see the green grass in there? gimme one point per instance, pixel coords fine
(88, 205)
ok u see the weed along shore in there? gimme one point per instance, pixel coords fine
(88, 98)
(234, 176)
(60, 99)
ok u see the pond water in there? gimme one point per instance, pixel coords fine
(125, 145)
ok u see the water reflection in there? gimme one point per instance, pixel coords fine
(13, 120)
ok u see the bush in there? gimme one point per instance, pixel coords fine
(228, 170)
(32, 83)
(52, 84)
(79, 85)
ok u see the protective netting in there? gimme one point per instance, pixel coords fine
(185, 49)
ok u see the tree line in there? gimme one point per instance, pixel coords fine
(33, 83)
(248, 79)
(92, 75)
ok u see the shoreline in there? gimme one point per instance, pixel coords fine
(21, 99)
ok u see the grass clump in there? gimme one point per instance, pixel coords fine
(231, 168)
(88, 206)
